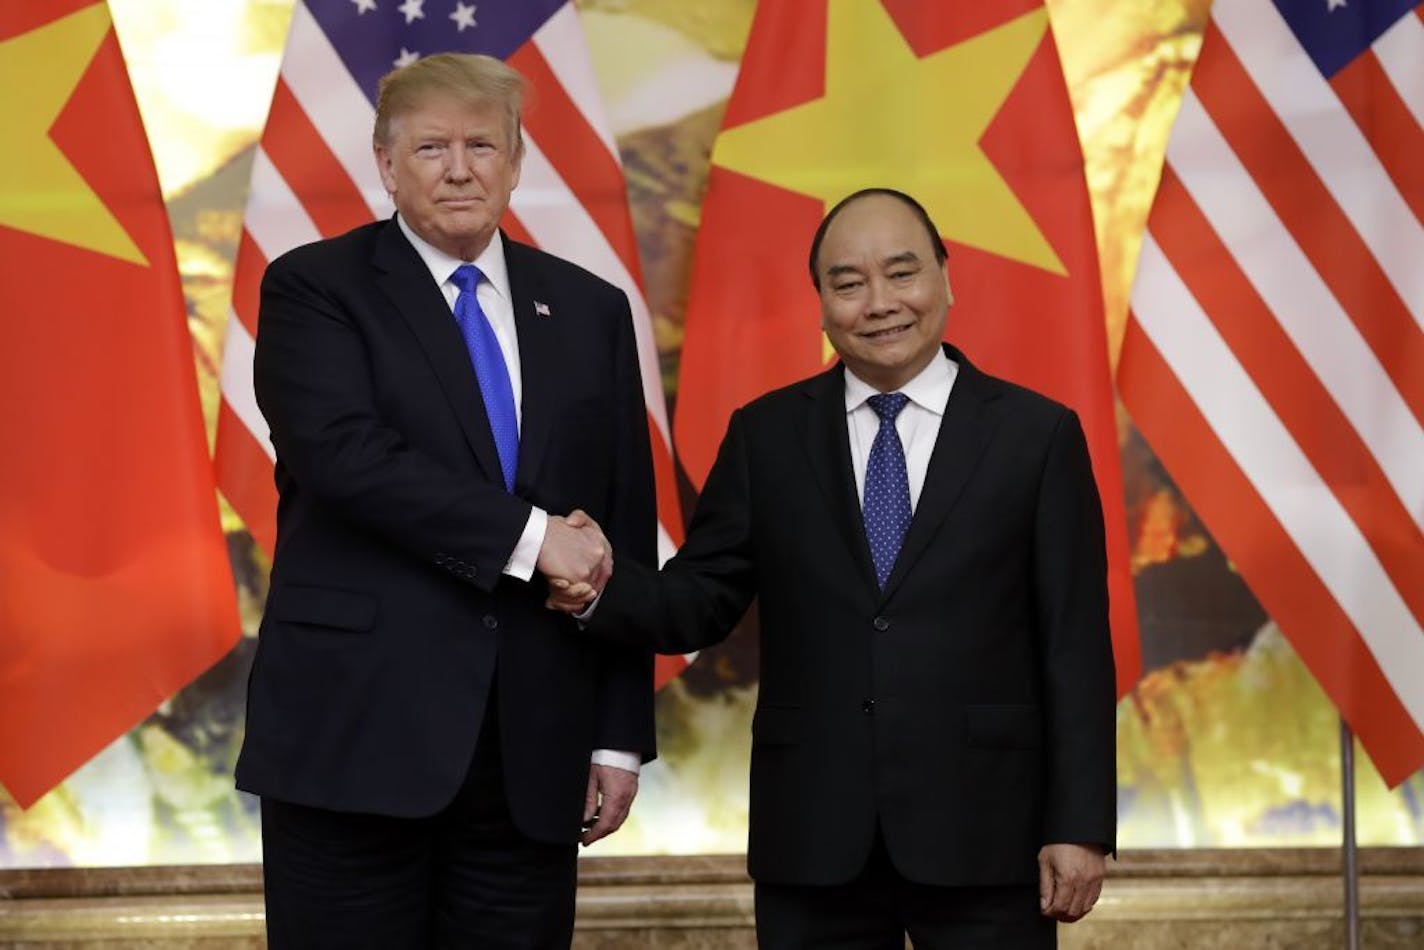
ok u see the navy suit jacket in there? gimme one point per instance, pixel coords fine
(389, 619)
(969, 707)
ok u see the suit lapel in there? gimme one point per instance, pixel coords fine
(964, 433)
(827, 446)
(539, 349)
(404, 278)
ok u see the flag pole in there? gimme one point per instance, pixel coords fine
(1352, 869)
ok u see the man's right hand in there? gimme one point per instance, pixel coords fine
(576, 558)
(1070, 879)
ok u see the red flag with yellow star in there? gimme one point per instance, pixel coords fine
(962, 105)
(115, 587)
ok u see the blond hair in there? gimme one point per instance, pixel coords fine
(469, 77)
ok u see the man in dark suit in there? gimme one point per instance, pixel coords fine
(933, 746)
(430, 744)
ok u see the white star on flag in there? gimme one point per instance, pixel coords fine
(1333, 5)
(363, 6)
(413, 10)
(406, 57)
(464, 16)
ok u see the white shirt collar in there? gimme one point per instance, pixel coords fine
(928, 390)
(442, 265)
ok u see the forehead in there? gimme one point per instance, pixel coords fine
(874, 227)
(443, 111)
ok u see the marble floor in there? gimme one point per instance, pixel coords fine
(1153, 900)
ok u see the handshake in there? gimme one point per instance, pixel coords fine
(577, 560)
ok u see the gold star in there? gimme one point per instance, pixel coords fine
(891, 118)
(41, 192)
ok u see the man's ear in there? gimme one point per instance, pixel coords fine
(518, 161)
(384, 167)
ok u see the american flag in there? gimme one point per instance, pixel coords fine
(1274, 357)
(313, 177)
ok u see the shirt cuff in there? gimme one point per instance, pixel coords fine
(627, 761)
(525, 556)
(585, 615)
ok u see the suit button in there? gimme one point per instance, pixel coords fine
(881, 624)
(868, 707)
(490, 621)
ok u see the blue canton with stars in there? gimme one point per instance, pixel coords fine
(886, 506)
(372, 37)
(1334, 32)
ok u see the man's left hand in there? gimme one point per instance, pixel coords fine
(1070, 878)
(610, 794)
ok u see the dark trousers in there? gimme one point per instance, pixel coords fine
(465, 877)
(877, 909)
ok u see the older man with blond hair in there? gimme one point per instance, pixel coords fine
(430, 744)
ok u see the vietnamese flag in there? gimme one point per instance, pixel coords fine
(961, 105)
(115, 587)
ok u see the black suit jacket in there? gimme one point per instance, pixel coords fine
(389, 617)
(969, 708)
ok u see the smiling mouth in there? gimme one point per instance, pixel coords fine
(889, 333)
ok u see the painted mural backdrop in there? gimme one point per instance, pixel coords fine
(1226, 741)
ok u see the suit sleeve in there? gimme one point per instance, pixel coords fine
(625, 671)
(313, 384)
(702, 592)
(1070, 564)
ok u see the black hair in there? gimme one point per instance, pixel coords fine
(940, 252)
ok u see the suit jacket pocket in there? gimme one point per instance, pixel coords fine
(1007, 726)
(776, 725)
(322, 607)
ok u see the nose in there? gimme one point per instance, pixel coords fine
(880, 298)
(457, 164)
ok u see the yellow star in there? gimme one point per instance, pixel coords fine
(891, 118)
(41, 192)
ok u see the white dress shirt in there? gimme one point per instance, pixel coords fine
(918, 423)
(498, 306)
(495, 300)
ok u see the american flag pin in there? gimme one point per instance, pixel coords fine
(542, 309)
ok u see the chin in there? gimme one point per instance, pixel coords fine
(467, 236)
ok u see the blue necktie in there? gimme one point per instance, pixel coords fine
(886, 506)
(490, 371)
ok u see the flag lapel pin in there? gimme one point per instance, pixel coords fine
(541, 308)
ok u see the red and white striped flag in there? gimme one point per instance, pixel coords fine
(1275, 354)
(313, 177)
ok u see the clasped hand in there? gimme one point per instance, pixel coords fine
(577, 560)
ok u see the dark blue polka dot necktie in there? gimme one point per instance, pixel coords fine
(886, 505)
(490, 371)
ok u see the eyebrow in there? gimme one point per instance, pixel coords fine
(904, 257)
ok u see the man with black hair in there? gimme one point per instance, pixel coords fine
(933, 747)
